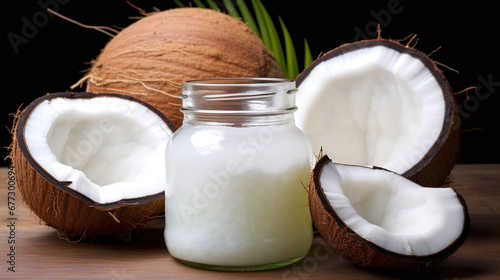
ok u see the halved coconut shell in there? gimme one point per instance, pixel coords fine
(91, 164)
(376, 218)
(381, 103)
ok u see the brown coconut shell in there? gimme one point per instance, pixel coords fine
(434, 169)
(75, 216)
(359, 251)
(152, 57)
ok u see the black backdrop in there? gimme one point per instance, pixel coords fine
(43, 53)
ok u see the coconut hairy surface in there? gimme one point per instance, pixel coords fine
(91, 164)
(376, 218)
(152, 57)
(381, 103)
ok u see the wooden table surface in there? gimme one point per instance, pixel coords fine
(41, 254)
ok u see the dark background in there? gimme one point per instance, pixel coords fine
(57, 52)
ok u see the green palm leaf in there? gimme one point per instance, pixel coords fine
(292, 67)
(275, 42)
(231, 9)
(247, 17)
(308, 59)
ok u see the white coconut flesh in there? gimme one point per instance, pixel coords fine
(372, 106)
(109, 148)
(391, 211)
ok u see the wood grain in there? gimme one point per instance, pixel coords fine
(41, 254)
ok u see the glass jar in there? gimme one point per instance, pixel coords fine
(237, 176)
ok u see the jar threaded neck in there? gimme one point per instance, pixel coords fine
(238, 101)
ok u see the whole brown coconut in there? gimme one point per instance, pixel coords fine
(152, 57)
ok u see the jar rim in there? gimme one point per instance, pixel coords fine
(228, 82)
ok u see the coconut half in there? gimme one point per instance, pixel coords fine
(380, 103)
(90, 164)
(376, 218)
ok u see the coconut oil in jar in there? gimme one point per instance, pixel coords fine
(237, 177)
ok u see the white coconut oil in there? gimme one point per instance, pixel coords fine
(236, 196)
